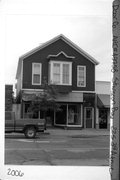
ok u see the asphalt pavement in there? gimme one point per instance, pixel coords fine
(59, 147)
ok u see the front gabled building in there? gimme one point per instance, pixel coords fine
(72, 70)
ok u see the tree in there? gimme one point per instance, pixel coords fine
(45, 100)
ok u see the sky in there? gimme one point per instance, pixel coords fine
(26, 24)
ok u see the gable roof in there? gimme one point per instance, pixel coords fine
(65, 39)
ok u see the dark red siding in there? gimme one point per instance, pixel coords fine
(53, 49)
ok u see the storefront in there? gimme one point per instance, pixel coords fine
(77, 110)
(70, 113)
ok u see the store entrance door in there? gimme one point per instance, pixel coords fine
(89, 117)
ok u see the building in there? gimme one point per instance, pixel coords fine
(103, 105)
(8, 97)
(72, 70)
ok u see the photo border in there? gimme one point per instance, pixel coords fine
(115, 135)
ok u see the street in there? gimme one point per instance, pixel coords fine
(52, 148)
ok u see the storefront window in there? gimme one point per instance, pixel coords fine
(69, 115)
(74, 115)
(29, 114)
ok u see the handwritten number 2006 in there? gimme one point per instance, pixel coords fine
(15, 172)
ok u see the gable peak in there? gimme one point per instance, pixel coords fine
(60, 53)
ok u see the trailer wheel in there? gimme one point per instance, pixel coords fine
(30, 132)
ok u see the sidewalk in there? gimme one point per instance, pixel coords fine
(58, 132)
(82, 132)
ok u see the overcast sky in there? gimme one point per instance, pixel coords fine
(28, 23)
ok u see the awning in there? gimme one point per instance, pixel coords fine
(103, 100)
(70, 97)
(63, 97)
(28, 97)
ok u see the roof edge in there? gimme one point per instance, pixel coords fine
(65, 39)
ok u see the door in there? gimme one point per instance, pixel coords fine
(61, 116)
(89, 117)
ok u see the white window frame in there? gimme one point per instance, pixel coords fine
(61, 72)
(33, 73)
(78, 76)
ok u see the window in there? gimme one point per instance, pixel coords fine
(30, 114)
(36, 73)
(56, 73)
(74, 115)
(66, 73)
(81, 76)
(60, 73)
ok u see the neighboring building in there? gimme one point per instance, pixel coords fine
(63, 63)
(103, 105)
(8, 97)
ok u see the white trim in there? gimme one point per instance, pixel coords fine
(33, 73)
(74, 126)
(61, 52)
(84, 76)
(84, 91)
(61, 72)
(62, 62)
(72, 91)
(31, 89)
(66, 125)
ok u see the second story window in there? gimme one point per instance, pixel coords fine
(36, 74)
(60, 73)
(56, 73)
(81, 76)
(66, 73)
